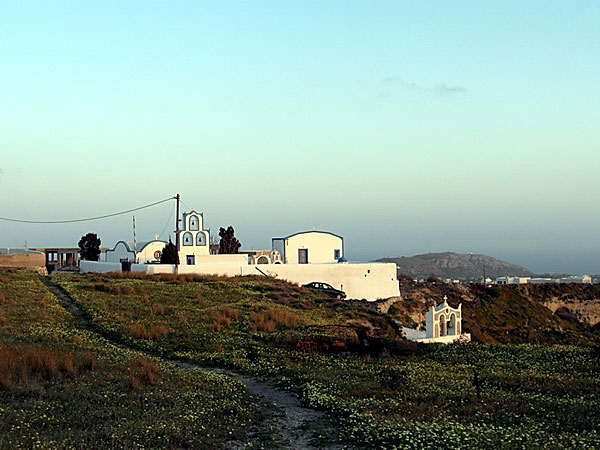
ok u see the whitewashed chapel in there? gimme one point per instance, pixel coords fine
(443, 324)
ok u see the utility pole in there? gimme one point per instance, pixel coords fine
(177, 198)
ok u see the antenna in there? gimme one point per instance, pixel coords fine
(134, 240)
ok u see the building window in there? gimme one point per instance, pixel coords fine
(302, 256)
(194, 223)
(190, 260)
(188, 239)
(201, 239)
(336, 253)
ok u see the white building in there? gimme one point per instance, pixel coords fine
(138, 253)
(310, 247)
(194, 240)
(580, 279)
(312, 256)
(443, 324)
(512, 280)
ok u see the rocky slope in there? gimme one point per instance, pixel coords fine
(542, 314)
(455, 265)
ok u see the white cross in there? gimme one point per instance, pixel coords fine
(155, 237)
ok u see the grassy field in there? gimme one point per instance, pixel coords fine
(390, 396)
(63, 387)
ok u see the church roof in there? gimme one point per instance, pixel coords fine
(441, 306)
(138, 246)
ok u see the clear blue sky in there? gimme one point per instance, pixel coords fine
(406, 127)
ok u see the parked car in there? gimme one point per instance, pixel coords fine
(325, 289)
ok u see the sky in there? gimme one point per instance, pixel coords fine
(406, 127)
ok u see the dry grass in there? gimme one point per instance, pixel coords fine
(271, 318)
(157, 310)
(139, 331)
(183, 320)
(232, 313)
(115, 290)
(175, 278)
(24, 365)
(143, 373)
(224, 318)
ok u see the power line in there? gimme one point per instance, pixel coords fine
(88, 218)
(167, 223)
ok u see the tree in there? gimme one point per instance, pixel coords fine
(228, 244)
(169, 254)
(89, 247)
(433, 278)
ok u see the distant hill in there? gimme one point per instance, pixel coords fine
(455, 265)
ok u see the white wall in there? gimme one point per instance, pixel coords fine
(119, 252)
(98, 266)
(320, 247)
(370, 281)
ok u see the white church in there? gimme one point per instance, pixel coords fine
(302, 257)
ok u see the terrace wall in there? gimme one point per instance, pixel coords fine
(369, 281)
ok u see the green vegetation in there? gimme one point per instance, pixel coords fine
(64, 387)
(392, 395)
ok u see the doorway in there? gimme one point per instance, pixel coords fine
(302, 256)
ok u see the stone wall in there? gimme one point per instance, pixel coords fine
(29, 261)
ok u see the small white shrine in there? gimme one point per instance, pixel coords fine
(443, 324)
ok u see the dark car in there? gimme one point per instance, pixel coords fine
(325, 289)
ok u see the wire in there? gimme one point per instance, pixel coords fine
(88, 218)
(167, 223)
(187, 206)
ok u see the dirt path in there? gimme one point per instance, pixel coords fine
(293, 426)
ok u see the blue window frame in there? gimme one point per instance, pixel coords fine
(201, 238)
